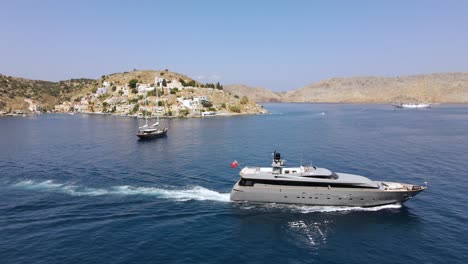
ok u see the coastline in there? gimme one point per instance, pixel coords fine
(134, 116)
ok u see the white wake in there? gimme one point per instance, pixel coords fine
(193, 193)
(305, 209)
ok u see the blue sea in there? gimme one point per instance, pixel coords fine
(83, 189)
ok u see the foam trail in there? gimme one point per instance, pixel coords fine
(193, 193)
(305, 209)
(312, 209)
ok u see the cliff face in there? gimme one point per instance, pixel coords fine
(435, 88)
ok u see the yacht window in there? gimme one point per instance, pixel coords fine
(294, 171)
(286, 171)
(243, 182)
(246, 182)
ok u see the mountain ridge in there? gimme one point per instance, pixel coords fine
(433, 88)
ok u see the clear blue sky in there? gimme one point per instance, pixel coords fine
(280, 45)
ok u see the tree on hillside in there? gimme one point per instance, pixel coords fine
(206, 103)
(164, 84)
(132, 83)
(104, 106)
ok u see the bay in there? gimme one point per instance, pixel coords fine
(83, 189)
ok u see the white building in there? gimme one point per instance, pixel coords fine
(101, 91)
(144, 88)
(81, 107)
(199, 99)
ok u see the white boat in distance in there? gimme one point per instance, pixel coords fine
(316, 186)
(412, 105)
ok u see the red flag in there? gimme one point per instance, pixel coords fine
(234, 164)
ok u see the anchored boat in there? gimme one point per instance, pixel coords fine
(317, 186)
(155, 130)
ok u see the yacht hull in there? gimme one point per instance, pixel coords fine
(321, 196)
(153, 135)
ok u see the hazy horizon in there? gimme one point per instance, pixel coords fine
(280, 46)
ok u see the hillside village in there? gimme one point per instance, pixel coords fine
(134, 94)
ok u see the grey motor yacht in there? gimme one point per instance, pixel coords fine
(317, 186)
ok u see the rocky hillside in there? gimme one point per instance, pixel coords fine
(434, 88)
(257, 94)
(14, 91)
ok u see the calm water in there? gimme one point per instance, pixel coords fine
(82, 189)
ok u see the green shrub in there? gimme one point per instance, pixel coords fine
(132, 83)
(183, 112)
(136, 108)
(206, 103)
(235, 108)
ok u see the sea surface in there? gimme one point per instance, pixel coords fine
(83, 189)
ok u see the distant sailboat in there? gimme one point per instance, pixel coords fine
(154, 130)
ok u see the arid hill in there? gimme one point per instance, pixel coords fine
(434, 88)
(257, 94)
